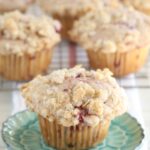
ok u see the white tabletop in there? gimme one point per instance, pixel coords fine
(137, 87)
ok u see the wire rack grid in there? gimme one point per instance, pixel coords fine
(68, 54)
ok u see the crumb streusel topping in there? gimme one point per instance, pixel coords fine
(111, 3)
(143, 5)
(111, 30)
(74, 7)
(9, 5)
(75, 96)
(25, 33)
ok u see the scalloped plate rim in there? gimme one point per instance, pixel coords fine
(21, 112)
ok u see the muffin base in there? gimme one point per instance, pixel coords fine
(24, 67)
(120, 63)
(72, 138)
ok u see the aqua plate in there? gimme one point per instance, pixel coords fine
(21, 132)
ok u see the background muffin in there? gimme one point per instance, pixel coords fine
(75, 106)
(26, 45)
(67, 11)
(115, 38)
(111, 3)
(10, 5)
(141, 5)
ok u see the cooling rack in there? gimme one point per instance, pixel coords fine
(68, 54)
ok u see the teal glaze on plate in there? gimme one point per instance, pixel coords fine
(21, 132)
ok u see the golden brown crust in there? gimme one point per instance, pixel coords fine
(64, 7)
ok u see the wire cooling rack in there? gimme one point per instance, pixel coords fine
(68, 54)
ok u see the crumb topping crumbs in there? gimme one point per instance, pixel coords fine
(143, 5)
(10, 5)
(65, 6)
(108, 30)
(27, 33)
(75, 96)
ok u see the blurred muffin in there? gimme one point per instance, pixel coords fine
(141, 5)
(114, 38)
(26, 45)
(10, 5)
(111, 3)
(75, 106)
(67, 11)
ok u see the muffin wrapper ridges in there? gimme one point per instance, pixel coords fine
(120, 63)
(24, 67)
(72, 138)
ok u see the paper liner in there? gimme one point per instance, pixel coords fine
(72, 138)
(120, 63)
(25, 67)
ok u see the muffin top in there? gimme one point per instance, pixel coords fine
(26, 33)
(110, 30)
(75, 96)
(10, 5)
(142, 5)
(111, 3)
(63, 7)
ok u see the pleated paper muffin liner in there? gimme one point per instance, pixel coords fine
(120, 63)
(72, 138)
(24, 67)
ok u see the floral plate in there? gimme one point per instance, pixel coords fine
(21, 132)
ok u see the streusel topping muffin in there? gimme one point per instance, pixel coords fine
(114, 39)
(66, 6)
(10, 5)
(75, 96)
(26, 45)
(141, 5)
(109, 30)
(26, 33)
(67, 11)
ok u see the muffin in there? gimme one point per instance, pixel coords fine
(110, 3)
(11, 5)
(67, 11)
(116, 39)
(26, 45)
(141, 5)
(75, 106)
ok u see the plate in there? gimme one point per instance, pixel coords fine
(21, 132)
